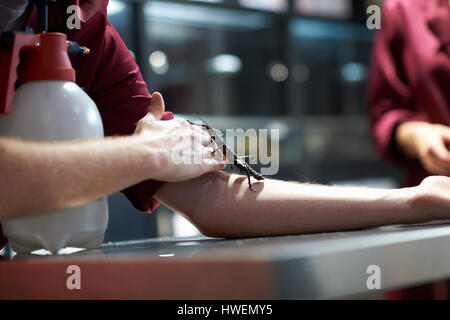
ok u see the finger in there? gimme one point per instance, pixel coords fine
(199, 130)
(208, 152)
(201, 139)
(212, 144)
(446, 137)
(206, 138)
(157, 108)
(440, 152)
(183, 122)
(212, 153)
(196, 127)
(211, 165)
(436, 167)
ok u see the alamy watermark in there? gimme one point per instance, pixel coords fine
(374, 17)
(373, 20)
(374, 280)
(260, 146)
(73, 281)
(73, 21)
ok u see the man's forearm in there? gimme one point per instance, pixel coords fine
(45, 177)
(222, 205)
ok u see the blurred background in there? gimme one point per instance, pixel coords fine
(300, 66)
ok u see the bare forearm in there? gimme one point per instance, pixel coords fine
(222, 205)
(44, 177)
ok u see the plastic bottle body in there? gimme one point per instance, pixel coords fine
(54, 111)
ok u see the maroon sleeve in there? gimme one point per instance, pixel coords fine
(389, 96)
(122, 98)
(3, 240)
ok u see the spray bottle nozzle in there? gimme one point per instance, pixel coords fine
(75, 49)
(41, 56)
(43, 12)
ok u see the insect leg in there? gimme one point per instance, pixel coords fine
(249, 181)
(197, 124)
(214, 152)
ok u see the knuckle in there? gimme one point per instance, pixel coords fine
(140, 123)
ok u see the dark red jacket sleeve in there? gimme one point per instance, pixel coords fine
(390, 98)
(122, 97)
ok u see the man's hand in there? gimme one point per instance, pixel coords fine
(427, 142)
(177, 151)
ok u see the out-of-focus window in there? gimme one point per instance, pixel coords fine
(330, 67)
(341, 9)
(121, 15)
(213, 60)
(272, 5)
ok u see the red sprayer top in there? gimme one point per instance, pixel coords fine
(33, 57)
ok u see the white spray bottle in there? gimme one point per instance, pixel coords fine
(39, 100)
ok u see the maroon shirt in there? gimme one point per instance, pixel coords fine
(110, 77)
(410, 80)
(410, 74)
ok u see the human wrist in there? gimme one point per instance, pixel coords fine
(412, 205)
(396, 206)
(150, 157)
(408, 137)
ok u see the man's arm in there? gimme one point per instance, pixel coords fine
(222, 205)
(42, 177)
(45, 177)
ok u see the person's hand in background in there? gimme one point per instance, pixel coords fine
(429, 143)
(174, 144)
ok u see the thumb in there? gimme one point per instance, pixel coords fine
(446, 134)
(157, 108)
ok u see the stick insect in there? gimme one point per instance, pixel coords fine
(239, 161)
